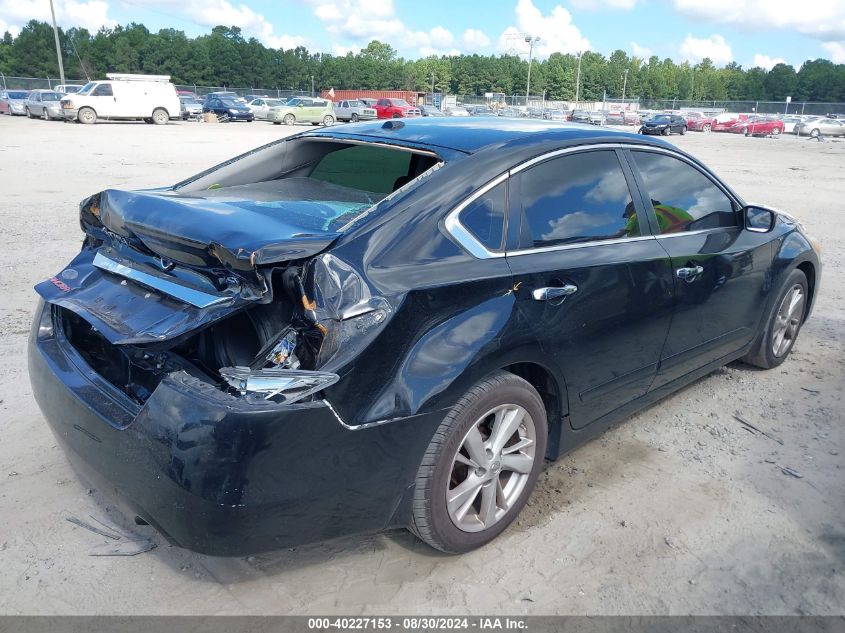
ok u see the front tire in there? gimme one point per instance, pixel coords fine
(706, 129)
(481, 465)
(86, 116)
(354, 117)
(289, 119)
(775, 342)
(815, 133)
(776, 131)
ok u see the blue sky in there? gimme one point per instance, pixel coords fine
(751, 32)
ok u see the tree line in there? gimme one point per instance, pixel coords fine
(225, 57)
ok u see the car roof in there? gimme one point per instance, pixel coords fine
(471, 135)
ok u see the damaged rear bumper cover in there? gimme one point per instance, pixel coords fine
(218, 474)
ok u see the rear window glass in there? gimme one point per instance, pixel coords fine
(365, 167)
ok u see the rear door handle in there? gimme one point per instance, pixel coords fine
(556, 292)
(690, 273)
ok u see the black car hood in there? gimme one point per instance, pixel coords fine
(238, 229)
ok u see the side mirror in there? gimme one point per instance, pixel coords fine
(299, 105)
(759, 219)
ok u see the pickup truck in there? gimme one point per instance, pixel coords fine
(395, 109)
(353, 110)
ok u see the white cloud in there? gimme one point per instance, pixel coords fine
(603, 4)
(764, 61)
(341, 51)
(694, 49)
(361, 21)
(214, 12)
(89, 14)
(836, 51)
(473, 39)
(640, 51)
(823, 19)
(556, 31)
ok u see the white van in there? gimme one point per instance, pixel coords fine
(151, 98)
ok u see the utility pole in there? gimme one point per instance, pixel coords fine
(692, 85)
(58, 47)
(578, 79)
(531, 41)
(624, 85)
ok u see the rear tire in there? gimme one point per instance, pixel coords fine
(683, 130)
(814, 133)
(328, 120)
(776, 131)
(490, 446)
(160, 116)
(783, 324)
(86, 116)
(706, 129)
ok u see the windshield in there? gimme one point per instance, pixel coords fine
(355, 104)
(230, 103)
(661, 118)
(189, 100)
(87, 88)
(17, 94)
(274, 103)
(50, 96)
(399, 102)
(72, 89)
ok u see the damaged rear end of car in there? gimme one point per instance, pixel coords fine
(181, 357)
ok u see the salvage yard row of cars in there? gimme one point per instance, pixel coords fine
(154, 99)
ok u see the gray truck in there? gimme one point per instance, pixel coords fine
(353, 110)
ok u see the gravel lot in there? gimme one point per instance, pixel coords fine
(679, 510)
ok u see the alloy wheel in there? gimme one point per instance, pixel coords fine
(491, 468)
(788, 320)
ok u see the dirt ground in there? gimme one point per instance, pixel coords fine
(679, 510)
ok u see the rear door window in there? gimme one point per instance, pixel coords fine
(580, 197)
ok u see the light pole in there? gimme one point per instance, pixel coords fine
(531, 41)
(58, 48)
(624, 85)
(578, 79)
(692, 85)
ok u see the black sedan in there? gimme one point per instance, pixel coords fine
(393, 324)
(228, 109)
(664, 124)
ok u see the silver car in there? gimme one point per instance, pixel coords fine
(820, 127)
(261, 106)
(45, 104)
(13, 102)
(353, 110)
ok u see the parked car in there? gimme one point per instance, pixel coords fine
(45, 104)
(456, 111)
(67, 89)
(615, 118)
(395, 109)
(353, 110)
(554, 115)
(225, 94)
(664, 124)
(250, 98)
(430, 110)
(13, 102)
(335, 332)
(151, 98)
(726, 120)
(189, 107)
(758, 126)
(262, 107)
(790, 123)
(228, 109)
(699, 122)
(482, 110)
(512, 113)
(304, 110)
(580, 116)
(821, 127)
(188, 93)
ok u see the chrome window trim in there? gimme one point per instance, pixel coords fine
(715, 229)
(464, 236)
(567, 247)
